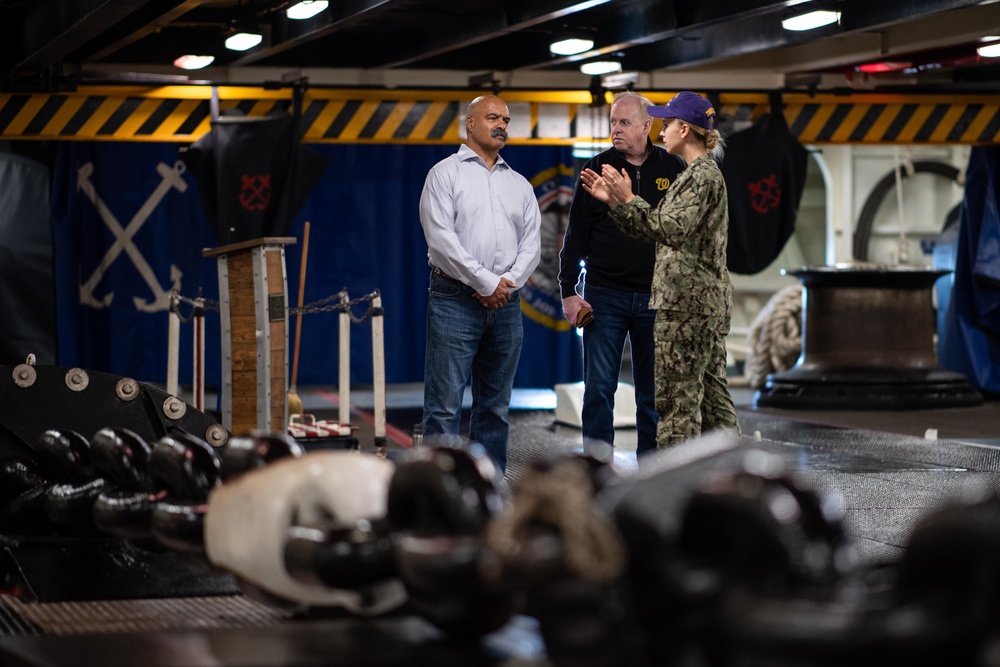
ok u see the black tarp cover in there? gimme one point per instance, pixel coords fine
(765, 171)
(27, 288)
(253, 175)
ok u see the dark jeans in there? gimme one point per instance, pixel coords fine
(617, 314)
(463, 337)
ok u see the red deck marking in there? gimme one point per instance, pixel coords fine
(401, 437)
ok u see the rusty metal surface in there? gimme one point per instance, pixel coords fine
(868, 327)
(867, 344)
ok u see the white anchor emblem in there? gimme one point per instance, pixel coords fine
(172, 178)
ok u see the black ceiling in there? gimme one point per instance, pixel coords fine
(60, 43)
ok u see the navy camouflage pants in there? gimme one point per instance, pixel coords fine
(692, 394)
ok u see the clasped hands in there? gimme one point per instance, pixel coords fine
(611, 186)
(500, 296)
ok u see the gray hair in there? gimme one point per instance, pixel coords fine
(642, 100)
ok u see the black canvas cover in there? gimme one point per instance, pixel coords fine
(253, 175)
(765, 172)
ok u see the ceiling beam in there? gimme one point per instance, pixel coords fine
(455, 29)
(53, 30)
(710, 39)
(866, 14)
(161, 18)
(515, 15)
(520, 37)
(339, 16)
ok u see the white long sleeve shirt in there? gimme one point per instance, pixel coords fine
(480, 224)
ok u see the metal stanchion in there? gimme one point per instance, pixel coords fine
(198, 354)
(378, 372)
(173, 343)
(344, 387)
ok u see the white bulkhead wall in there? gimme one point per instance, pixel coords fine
(840, 180)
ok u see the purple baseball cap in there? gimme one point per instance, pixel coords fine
(689, 107)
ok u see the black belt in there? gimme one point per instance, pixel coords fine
(435, 270)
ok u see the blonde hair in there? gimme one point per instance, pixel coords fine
(713, 141)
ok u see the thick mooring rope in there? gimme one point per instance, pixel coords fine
(561, 498)
(775, 337)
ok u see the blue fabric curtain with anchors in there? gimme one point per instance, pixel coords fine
(129, 226)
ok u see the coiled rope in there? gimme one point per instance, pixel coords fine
(561, 498)
(775, 337)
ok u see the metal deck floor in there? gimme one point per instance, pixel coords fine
(887, 478)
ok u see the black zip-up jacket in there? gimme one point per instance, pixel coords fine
(613, 259)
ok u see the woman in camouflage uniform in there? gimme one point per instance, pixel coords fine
(691, 289)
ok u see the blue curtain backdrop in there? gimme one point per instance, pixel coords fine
(128, 226)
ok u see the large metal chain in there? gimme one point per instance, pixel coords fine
(198, 306)
(335, 302)
(339, 302)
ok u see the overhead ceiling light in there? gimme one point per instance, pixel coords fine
(306, 9)
(990, 50)
(571, 47)
(601, 67)
(811, 20)
(193, 62)
(242, 41)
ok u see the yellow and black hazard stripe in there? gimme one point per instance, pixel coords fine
(909, 123)
(879, 119)
(183, 114)
(385, 121)
(101, 117)
(181, 117)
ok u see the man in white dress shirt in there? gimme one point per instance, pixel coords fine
(482, 223)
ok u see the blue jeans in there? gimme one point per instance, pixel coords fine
(617, 313)
(463, 337)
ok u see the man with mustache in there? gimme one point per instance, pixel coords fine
(482, 225)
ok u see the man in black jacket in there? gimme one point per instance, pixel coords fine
(616, 282)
